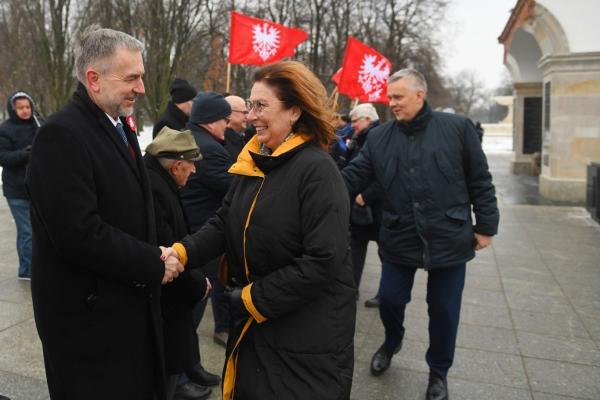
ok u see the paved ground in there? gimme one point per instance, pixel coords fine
(530, 322)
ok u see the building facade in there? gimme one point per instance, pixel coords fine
(552, 51)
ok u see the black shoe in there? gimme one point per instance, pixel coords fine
(382, 359)
(437, 388)
(191, 391)
(202, 377)
(372, 303)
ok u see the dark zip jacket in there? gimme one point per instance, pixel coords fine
(432, 171)
(173, 117)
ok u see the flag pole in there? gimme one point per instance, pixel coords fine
(228, 84)
(355, 102)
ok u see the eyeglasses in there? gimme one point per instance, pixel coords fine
(355, 120)
(241, 111)
(257, 106)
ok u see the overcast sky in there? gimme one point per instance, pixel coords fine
(470, 39)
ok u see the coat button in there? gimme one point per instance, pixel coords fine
(416, 204)
(411, 170)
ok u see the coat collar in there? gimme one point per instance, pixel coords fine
(152, 163)
(419, 123)
(251, 163)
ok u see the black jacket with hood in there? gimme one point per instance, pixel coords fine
(16, 137)
(284, 228)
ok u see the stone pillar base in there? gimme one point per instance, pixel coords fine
(522, 167)
(571, 190)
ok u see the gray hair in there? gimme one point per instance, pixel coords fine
(166, 162)
(365, 110)
(416, 79)
(97, 44)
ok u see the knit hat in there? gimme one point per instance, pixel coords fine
(209, 107)
(181, 91)
(174, 145)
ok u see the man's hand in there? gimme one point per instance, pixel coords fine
(482, 241)
(359, 200)
(172, 265)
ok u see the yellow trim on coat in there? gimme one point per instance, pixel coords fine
(245, 165)
(180, 249)
(231, 366)
(249, 304)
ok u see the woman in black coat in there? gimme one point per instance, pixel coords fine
(283, 226)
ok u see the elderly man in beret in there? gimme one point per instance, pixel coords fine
(170, 161)
(203, 195)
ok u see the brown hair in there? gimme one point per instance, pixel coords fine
(296, 85)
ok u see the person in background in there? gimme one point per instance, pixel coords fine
(178, 108)
(234, 134)
(16, 138)
(479, 130)
(433, 172)
(364, 119)
(284, 227)
(169, 160)
(201, 198)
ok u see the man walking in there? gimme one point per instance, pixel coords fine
(432, 171)
(96, 268)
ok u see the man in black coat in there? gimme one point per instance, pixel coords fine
(96, 268)
(16, 137)
(205, 190)
(170, 160)
(234, 134)
(432, 171)
(178, 108)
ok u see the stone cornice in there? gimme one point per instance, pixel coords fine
(572, 62)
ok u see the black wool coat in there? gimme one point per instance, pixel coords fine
(234, 143)
(432, 171)
(178, 297)
(205, 189)
(16, 137)
(284, 228)
(96, 268)
(173, 117)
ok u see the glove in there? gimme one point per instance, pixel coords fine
(237, 310)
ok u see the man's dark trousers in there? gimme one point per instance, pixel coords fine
(444, 295)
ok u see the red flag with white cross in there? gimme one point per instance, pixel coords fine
(364, 73)
(255, 41)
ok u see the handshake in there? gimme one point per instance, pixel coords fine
(173, 267)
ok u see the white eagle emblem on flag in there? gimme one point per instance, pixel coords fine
(265, 40)
(372, 75)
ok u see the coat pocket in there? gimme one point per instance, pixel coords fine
(459, 214)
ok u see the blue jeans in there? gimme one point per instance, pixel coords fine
(19, 209)
(444, 296)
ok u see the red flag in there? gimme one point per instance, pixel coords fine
(255, 41)
(336, 77)
(364, 73)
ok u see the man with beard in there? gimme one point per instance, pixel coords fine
(96, 268)
(432, 171)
